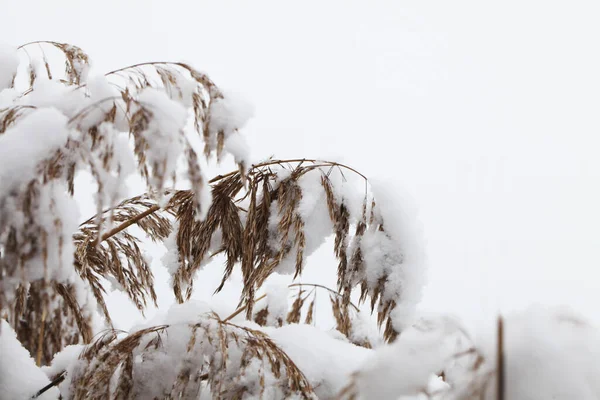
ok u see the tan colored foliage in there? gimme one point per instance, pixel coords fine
(49, 314)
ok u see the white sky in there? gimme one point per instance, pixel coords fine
(488, 115)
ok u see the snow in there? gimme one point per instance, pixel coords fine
(81, 66)
(113, 165)
(170, 115)
(25, 145)
(277, 291)
(55, 204)
(51, 93)
(228, 114)
(9, 62)
(287, 264)
(186, 313)
(399, 253)
(236, 145)
(416, 356)
(170, 260)
(204, 199)
(36, 66)
(65, 360)
(183, 88)
(550, 353)
(176, 353)
(99, 102)
(22, 148)
(8, 97)
(327, 362)
(163, 135)
(282, 174)
(313, 211)
(20, 378)
(364, 328)
(91, 103)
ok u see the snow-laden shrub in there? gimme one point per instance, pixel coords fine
(156, 120)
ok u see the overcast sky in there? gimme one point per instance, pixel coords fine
(487, 115)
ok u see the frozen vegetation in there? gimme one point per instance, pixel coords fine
(164, 123)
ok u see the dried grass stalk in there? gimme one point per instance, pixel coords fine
(116, 253)
(229, 360)
(260, 250)
(48, 318)
(102, 249)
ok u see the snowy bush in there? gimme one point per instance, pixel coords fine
(156, 121)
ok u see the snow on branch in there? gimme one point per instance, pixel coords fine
(228, 360)
(57, 122)
(284, 213)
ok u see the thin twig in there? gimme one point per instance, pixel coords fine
(241, 309)
(91, 106)
(41, 340)
(55, 382)
(38, 42)
(128, 223)
(17, 108)
(323, 287)
(182, 65)
(294, 160)
(467, 352)
(500, 367)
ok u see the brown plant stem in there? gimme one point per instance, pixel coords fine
(182, 65)
(91, 106)
(38, 359)
(293, 160)
(155, 208)
(241, 309)
(323, 287)
(38, 42)
(55, 382)
(128, 223)
(500, 367)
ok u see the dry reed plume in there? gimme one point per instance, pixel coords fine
(49, 312)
